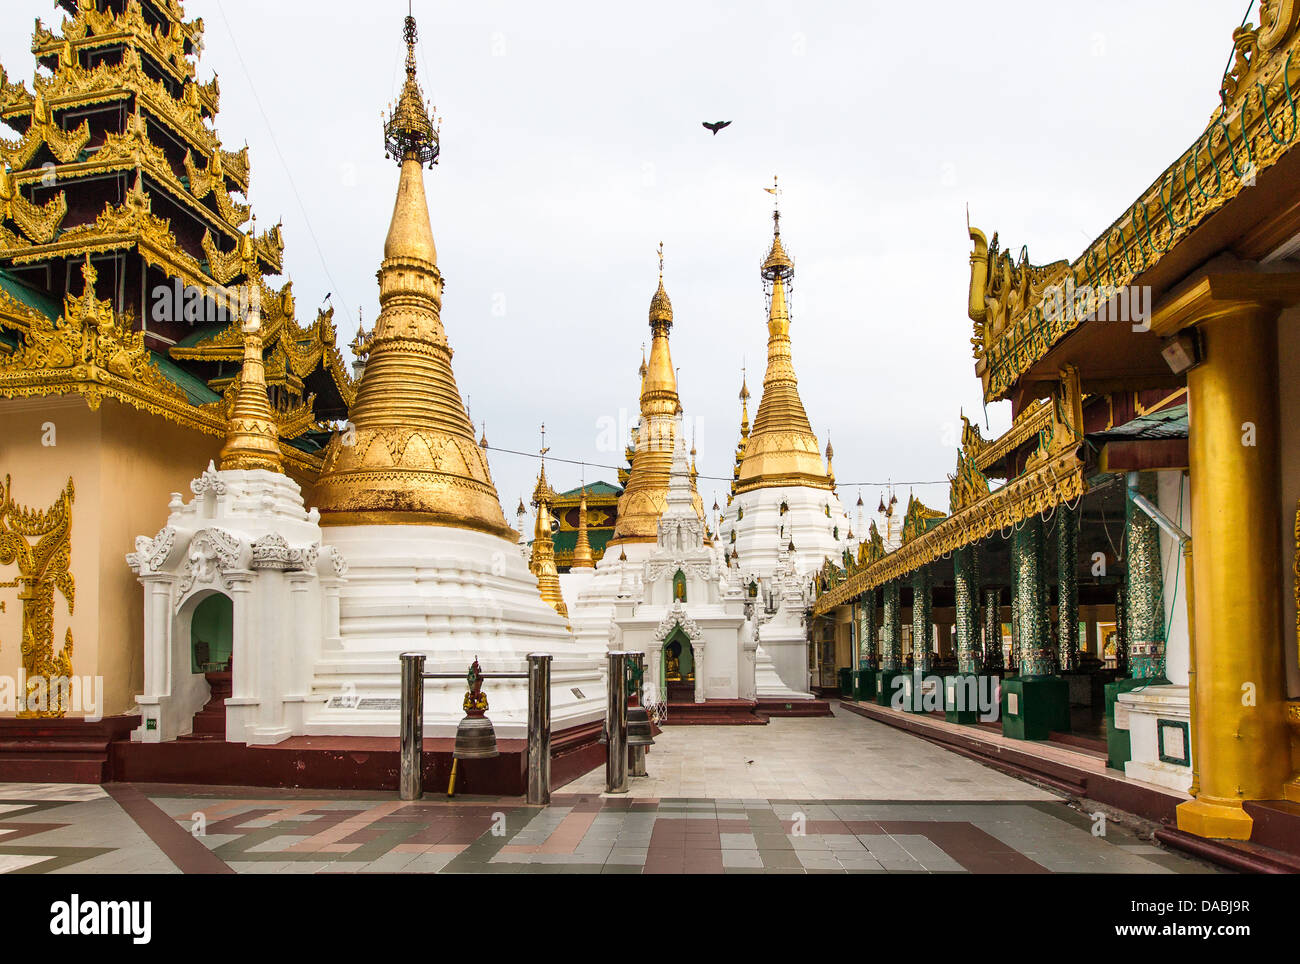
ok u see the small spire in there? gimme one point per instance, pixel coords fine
(252, 435)
(542, 561)
(582, 557)
(483, 442)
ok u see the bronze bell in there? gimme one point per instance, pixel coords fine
(638, 727)
(475, 739)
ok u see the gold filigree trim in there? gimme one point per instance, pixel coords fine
(43, 569)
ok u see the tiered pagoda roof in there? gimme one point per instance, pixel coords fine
(117, 160)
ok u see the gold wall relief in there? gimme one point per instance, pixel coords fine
(39, 543)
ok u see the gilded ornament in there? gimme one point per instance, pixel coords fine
(43, 568)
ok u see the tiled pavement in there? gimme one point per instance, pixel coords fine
(957, 816)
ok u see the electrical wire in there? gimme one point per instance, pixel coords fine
(334, 286)
(699, 475)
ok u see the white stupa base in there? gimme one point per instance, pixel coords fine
(591, 610)
(768, 682)
(817, 536)
(454, 595)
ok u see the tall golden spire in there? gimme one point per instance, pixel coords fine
(252, 435)
(782, 449)
(414, 459)
(645, 496)
(582, 557)
(542, 562)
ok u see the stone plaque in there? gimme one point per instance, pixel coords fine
(1172, 742)
(379, 703)
(1013, 704)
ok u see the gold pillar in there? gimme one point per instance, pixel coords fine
(1241, 743)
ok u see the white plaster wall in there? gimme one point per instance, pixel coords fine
(1171, 487)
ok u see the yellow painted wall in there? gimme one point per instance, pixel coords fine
(1288, 359)
(124, 464)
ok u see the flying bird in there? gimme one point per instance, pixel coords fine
(717, 126)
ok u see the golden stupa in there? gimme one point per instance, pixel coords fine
(645, 496)
(541, 562)
(781, 448)
(252, 434)
(409, 456)
(582, 555)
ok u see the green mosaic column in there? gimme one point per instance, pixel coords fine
(966, 596)
(867, 630)
(891, 632)
(1035, 702)
(1034, 656)
(922, 623)
(1067, 584)
(1143, 590)
(1121, 631)
(993, 631)
(1013, 654)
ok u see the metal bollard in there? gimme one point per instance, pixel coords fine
(616, 780)
(539, 728)
(412, 737)
(636, 754)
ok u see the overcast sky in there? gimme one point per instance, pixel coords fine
(572, 144)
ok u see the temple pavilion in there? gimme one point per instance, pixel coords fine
(1123, 562)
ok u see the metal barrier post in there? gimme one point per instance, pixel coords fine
(539, 728)
(412, 738)
(636, 754)
(616, 725)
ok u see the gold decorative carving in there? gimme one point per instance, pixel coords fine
(1254, 124)
(90, 342)
(968, 484)
(43, 130)
(38, 223)
(43, 568)
(918, 520)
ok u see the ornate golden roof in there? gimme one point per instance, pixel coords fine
(409, 456)
(781, 448)
(645, 494)
(252, 437)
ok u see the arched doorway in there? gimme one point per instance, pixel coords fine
(212, 637)
(679, 667)
(212, 632)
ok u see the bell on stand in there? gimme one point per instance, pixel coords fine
(475, 737)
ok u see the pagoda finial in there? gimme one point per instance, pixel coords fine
(408, 131)
(661, 309)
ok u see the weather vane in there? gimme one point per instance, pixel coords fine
(545, 447)
(661, 261)
(775, 191)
